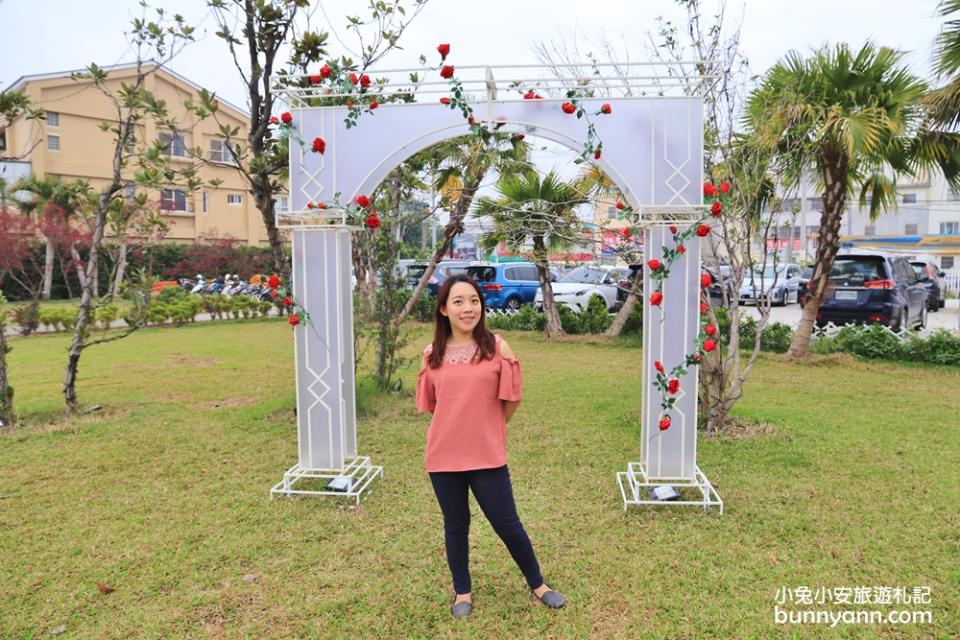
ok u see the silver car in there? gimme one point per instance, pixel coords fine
(779, 284)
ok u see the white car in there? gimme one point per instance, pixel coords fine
(781, 284)
(576, 288)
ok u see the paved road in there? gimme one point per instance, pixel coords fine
(946, 318)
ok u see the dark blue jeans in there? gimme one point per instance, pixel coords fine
(494, 494)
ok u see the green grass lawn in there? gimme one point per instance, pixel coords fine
(163, 495)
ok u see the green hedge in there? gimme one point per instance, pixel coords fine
(875, 342)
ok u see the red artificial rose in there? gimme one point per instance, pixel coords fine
(673, 386)
(315, 79)
(673, 229)
(362, 201)
(709, 190)
(697, 357)
(353, 78)
(664, 423)
(319, 146)
(619, 204)
(325, 71)
(274, 120)
(446, 71)
(568, 107)
(373, 104)
(681, 248)
(373, 222)
(627, 232)
(724, 187)
(471, 120)
(273, 281)
(703, 230)
(596, 154)
(710, 330)
(658, 365)
(364, 81)
(606, 108)
(709, 345)
(654, 264)
(310, 205)
(529, 95)
(705, 280)
(322, 205)
(716, 209)
(521, 136)
(444, 100)
(704, 307)
(294, 319)
(656, 298)
(287, 117)
(443, 50)
(287, 301)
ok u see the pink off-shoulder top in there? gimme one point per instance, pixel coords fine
(466, 397)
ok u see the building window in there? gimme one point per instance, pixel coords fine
(611, 212)
(234, 198)
(281, 204)
(53, 143)
(173, 145)
(870, 230)
(173, 200)
(910, 230)
(949, 228)
(53, 119)
(789, 204)
(220, 151)
(909, 198)
(3, 140)
(206, 200)
(946, 262)
(815, 204)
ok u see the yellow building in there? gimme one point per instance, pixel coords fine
(69, 144)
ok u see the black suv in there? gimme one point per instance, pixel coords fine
(929, 276)
(867, 286)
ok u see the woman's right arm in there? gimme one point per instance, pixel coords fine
(426, 394)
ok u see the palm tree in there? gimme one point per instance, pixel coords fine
(860, 123)
(541, 210)
(49, 197)
(460, 166)
(945, 100)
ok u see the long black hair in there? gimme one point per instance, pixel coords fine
(486, 342)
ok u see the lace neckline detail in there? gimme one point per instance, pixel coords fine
(462, 354)
(457, 354)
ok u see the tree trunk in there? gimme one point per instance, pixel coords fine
(263, 196)
(121, 270)
(78, 266)
(454, 227)
(834, 164)
(636, 289)
(85, 313)
(65, 272)
(7, 415)
(48, 270)
(553, 328)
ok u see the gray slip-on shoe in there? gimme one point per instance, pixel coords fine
(553, 599)
(461, 609)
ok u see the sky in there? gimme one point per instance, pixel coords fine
(68, 35)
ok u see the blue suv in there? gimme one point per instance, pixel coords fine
(506, 285)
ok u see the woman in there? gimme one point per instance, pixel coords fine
(470, 382)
